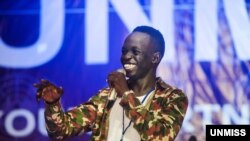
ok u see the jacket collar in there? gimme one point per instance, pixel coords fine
(161, 84)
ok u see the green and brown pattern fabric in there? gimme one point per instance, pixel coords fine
(160, 121)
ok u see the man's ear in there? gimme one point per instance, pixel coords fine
(156, 58)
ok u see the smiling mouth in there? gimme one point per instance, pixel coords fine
(129, 67)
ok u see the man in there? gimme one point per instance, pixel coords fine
(143, 108)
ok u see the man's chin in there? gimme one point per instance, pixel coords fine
(130, 75)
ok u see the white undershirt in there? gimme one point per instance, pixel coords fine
(115, 123)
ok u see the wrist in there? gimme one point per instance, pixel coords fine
(52, 102)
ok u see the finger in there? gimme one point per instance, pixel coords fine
(38, 96)
(39, 87)
(45, 82)
(39, 90)
(60, 90)
(41, 84)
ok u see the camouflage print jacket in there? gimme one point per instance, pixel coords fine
(161, 120)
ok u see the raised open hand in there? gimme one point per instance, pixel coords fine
(48, 91)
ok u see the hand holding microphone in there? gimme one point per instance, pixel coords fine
(118, 84)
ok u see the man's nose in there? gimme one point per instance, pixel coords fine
(128, 55)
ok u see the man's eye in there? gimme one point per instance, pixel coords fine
(136, 52)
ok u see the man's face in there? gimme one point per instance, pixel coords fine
(137, 54)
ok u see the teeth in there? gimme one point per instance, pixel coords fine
(129, 66)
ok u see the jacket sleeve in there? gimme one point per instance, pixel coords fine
(163, 120)
(60, 124)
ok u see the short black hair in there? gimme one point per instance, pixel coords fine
(155, 35)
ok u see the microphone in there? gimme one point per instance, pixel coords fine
(113, 94)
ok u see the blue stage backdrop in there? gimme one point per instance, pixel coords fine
(76, 43)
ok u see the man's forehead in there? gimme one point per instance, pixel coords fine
(138, 40)
(138, 37)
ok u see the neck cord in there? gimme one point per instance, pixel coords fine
(123, 117)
